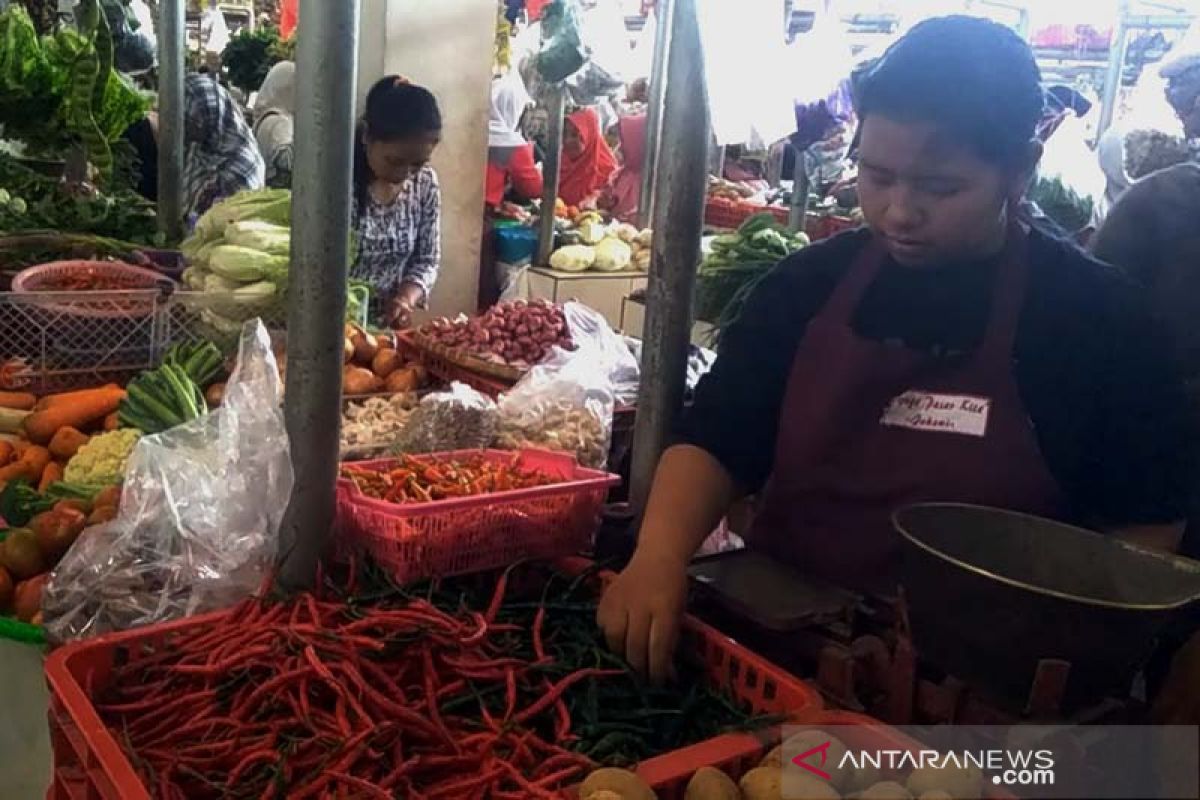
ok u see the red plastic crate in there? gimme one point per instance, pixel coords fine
(453, 537)
(90, 764)
(723, 215)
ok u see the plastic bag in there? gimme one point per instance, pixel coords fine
(596, 340)
(457, 419)
(562, 52)
(200, 514)
(565, 403)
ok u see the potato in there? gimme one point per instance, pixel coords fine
(347, 351)
(801, 786)
(621, 782)
(711, 784)
(386, 362)
(403, 380)
(965, 783)
(365, 346)
(936, 794)
(762, 783)
(604, 794)
(357, 380)
(886, 791)
(773, 758)
(806, 740)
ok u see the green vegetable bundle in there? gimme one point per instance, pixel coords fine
(61, 90)
(50, 204)
(161, 399)
(200, 361)
(737, 263)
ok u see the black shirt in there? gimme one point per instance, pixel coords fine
(1093, 369)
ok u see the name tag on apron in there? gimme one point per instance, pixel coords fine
(939, 413)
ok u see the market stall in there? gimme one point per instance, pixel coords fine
(420, 621)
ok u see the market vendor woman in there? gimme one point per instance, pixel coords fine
(397, 202)
(948, 352)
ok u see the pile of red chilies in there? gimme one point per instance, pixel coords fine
(312, 699)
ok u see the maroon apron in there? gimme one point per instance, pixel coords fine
(868, 427)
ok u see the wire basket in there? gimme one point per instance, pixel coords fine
(55, 341)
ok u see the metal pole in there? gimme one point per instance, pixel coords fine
(664, 13)
(550, 172)
(326, 70)
(1116, 65)
(172, 33)
(801, 186)
(678, 225)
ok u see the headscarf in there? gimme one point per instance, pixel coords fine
(274, 125)
(222, 157)
(584, 175)
(627, 184)
(509, 101)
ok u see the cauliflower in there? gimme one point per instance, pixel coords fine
(612, 255)
(102, 460)
(573, 258)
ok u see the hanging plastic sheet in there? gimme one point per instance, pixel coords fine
(750, 88)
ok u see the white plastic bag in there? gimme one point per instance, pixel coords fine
(200, 513)
(595, 340)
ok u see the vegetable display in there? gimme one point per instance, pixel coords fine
(475, 688)
(50, 522)
(373, 365)
(239, 254)
(61, 90)
(424, 480)
(60, 219)
(517, 334)
(588, 242)
(737, 263)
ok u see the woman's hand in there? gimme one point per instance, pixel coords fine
(641, 611)
(400, 308)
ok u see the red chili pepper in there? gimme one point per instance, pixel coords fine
(548, 699)
(539, 619)
(510, 693)
(256, 757)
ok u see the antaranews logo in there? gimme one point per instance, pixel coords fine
(1007, 767)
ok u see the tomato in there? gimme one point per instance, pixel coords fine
(6, 589)
(27, 599)
(57, 530)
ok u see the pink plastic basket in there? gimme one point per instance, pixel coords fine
(130, 295)
(453, 537)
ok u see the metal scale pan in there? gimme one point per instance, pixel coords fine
(992, 593)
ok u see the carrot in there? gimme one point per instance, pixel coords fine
(20, 446)
(84, 408)
(21, 401)
(66, 442)
(28, 467)
(53, 473)
(112, 421)
(7, 453)
(53, 400)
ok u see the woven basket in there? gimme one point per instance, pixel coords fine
(467, 361)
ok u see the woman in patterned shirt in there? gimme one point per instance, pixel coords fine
(397, 203)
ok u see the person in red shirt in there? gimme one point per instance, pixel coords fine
(510, 157)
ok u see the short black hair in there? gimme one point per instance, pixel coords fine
(973, 78)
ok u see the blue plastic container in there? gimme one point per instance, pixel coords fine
(516, 245)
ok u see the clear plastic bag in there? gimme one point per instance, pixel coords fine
(565, 403)
(596, 340)
(200, 514)
(457, 419)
